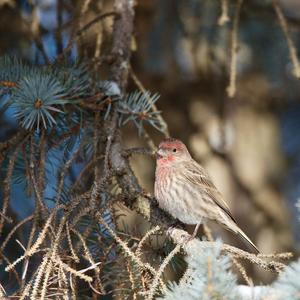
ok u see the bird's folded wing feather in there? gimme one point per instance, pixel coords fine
(197, 175)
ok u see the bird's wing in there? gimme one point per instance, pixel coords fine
(197, 175)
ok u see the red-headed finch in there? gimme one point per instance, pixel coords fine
(184, 189)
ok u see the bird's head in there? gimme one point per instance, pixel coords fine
(172, 151)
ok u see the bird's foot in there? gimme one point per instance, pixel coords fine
(192, 236)
(188, 238)
(170, 229)
(173, 225)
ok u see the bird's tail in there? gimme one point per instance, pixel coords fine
(245, 238)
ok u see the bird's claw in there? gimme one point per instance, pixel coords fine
(170, 229)
(188, 238)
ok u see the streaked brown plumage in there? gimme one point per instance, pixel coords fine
(185, 190)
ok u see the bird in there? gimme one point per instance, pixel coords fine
(184, 189)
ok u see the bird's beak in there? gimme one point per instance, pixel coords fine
(159, 153)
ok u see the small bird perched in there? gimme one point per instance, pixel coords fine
(184, 189)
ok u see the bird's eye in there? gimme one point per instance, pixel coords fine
(174, 150)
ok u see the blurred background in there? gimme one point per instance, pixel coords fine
(249, 144)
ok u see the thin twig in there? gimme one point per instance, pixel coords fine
(127, 250)
(38, 242)
(141, 87)
(138, 150)
(231, 89)
(63, 172)
(7, 187)
(12, 269)
(131, 279)
(74, 255)
(152, 231)
(8, 237)
(160, 271)
(41, 164)
(242, 270)
(35, 31)
(224, 18)
(11, 143)
(292, 49)
(94, 21)
(80, 32)
(38, 193)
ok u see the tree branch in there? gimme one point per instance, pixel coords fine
(182, 237)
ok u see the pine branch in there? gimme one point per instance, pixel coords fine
(208, 273)
(180, 236)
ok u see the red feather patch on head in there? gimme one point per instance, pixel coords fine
(171, 143)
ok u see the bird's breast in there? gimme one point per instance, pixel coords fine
(173, 195)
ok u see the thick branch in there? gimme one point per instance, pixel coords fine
(125, 175)
(121, 47)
